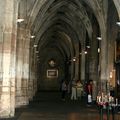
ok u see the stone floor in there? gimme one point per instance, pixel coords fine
(49, 106)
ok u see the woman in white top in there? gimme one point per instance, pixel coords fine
(79, 89)
(73, 94)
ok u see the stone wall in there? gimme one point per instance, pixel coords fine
(8, 12)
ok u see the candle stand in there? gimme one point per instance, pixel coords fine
(107, 105)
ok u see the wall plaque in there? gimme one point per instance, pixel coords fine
(52, 73)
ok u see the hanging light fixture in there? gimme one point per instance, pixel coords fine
(74, 59)
(118, 23)
(85, 52)
(88, 46)
(98, 50)
(32, 36)
(35, 45)
(20, 20)
(99, 38)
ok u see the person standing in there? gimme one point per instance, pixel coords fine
(73, 94)
(63, 89)
(79, 89)
(89, 91)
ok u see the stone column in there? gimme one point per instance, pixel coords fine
(8, 30)
(72, 70)
(32, 80)
(77, 62)
(22, 78)
(83, 58)
(25, 77)
(83, 65)
(82, 55)
(93, 66)
(35, 82)
(104, 76)
(19, 66)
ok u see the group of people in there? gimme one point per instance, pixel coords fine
(76, 89)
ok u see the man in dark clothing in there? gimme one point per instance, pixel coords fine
(64, 89)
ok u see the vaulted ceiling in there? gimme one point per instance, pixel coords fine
(65, 25)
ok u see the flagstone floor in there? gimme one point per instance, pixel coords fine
(49, 106)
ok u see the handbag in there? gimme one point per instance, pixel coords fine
(89, 98)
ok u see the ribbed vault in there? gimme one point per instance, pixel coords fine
(61, 28)
(66, 27)
(58, 28)
(44, 42)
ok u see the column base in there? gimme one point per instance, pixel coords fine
(21, 101)
(6, 114)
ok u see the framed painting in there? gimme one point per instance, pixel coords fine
(52, 73)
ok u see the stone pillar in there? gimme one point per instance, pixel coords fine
(22, 67)
(83, 59)
(72, 68)
(104, 76)
(77, 62)
(25, 77)
(31, 87)
(82, 55)
(8, 32)
(19, 66)
(35, 82)
(33, 71)
(93, 66)
(83, 65)
(32, 83)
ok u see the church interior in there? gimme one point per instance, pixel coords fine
(45, 42)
